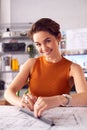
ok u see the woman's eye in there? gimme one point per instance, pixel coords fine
(37, 44)
(48, 40)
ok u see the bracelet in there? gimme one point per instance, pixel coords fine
(68, 97)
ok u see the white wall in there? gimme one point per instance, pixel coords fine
(0, 11)
(69, 13)
(5, 11)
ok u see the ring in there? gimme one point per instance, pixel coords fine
(36, 105)
(26, 99)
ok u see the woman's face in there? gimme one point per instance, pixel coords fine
(46, 43)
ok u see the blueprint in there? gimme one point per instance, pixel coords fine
(64, 118)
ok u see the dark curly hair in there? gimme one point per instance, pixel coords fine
(44, 24)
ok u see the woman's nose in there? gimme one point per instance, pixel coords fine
(43, 47)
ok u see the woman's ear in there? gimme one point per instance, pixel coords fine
(59, 37)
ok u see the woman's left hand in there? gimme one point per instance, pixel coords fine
(44, 103)
(28, 101)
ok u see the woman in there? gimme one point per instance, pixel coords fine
(51, 76)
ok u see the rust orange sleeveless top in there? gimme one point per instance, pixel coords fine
(49, 79)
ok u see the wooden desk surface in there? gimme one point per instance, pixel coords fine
(65, 118)
(4, 102)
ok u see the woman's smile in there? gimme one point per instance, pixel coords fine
(47, 52)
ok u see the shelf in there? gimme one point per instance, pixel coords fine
(15, 37)
(15, 31)
(13, 34)
(73, 52)
(14, 52)
(16, 26)
(4, 71)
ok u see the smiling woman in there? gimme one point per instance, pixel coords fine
(51, 76)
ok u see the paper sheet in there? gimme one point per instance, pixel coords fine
(72, 118)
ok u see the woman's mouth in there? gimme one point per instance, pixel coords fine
(47, 52)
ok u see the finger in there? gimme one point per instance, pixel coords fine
(36, 109)
(39, 108)
(33, 98)
(27, 102)
(30, 100)
(23, 104)
(27, 105)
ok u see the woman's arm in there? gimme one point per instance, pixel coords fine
(78, 99)
(18, 83)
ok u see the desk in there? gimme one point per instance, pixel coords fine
(73, 118)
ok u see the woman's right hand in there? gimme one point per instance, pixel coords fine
(28, 101)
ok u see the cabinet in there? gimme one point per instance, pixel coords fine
(14, 51)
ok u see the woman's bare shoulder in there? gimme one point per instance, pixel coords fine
(29, 63)
(76, 68)
(31, 60)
